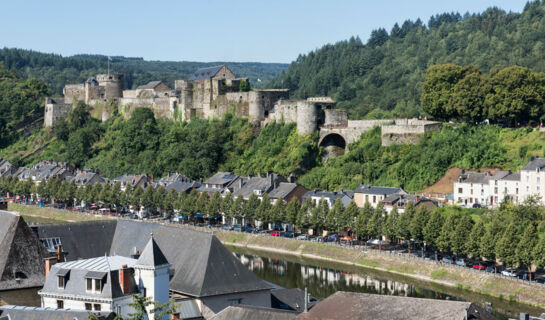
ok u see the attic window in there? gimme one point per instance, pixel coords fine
(61, 282)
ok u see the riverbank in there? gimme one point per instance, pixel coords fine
(418, 269)
(422, 270)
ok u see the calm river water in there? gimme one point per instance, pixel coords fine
(323, 279)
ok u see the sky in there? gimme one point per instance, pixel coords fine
(210, 30)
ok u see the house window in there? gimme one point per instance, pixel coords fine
(496, 199)
(537, 188)
(118, 310)
(366, 198)
(60, 282)
(97, 306)
(88, 307)
(470, 200)
(471, 191)
(538, 179)
(98, 285)
(496, 190)
(234, 302)
(89, 284)
(517, 190)
(60, 304)
(527, 188)
(374, 199)
(460, 190)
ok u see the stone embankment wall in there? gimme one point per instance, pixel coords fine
(407, 131)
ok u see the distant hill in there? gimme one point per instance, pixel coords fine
(383, 76)
(56, 70)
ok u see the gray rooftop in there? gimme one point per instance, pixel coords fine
(474, 177)
(205, 73)
(534, 164)
(150, 85)
(152, 255)
(512, 177)
(243, 312)
(35, 313)
(257, 185)
(349, 305)
(282, 190)
(202, 265)
(369, 189)
(21, 254)
(221, 178)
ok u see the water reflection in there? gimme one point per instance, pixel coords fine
(323, 282)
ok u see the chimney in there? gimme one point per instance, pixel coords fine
(240, 183)
(124, 278)
(417, 198)
(60, 254)
(175, 316)
(271, 179)
(49, 262)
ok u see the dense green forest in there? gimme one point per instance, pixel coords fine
(56, 70)
(21, 101)
(383, 77)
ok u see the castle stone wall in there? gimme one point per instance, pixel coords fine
(55, 110)
(73, 92)
(284, 111)
(307, 117)
(335, 117)
(112, 83)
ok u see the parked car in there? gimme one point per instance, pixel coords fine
(477, 205)
(540, 279)
(287, 235)
(479, 266)
(460, 262)
(275, 233)
(237, 228)
(490, 269)
(510, 273)
(302, 237)
(447, 260)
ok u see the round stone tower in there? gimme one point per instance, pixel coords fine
(256, 108)
(112, 83)
(307, 117)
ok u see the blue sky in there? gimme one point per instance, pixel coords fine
(209, 30)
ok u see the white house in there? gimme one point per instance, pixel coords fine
(106, 284)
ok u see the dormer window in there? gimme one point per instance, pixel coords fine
(61, 282)
(93, 281)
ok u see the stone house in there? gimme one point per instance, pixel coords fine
(285, 191)
(218, 182)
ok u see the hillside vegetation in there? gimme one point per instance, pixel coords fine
(56, 70)
(200, 148)
(383, 77)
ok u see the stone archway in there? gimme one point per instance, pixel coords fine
(334, 145)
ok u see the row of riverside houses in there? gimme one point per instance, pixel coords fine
(490, 190)
(274, 185)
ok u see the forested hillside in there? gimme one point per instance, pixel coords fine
(383, 76)
(56, 70)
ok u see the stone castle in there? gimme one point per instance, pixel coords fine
(214, 91)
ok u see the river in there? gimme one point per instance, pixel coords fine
(325, 278)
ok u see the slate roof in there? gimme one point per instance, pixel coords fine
(83, 177)
(202, 265)
(349, 305)
(474, 177)
(205, 73)
(403, 199)
(292, 298)
(21, 254)
(35, 313)
(221, 178)
(512, 177)
(250, 185)
(369, 189)
(181, 186)
(152, 255)
(282, 190)
(150, 85)
(331, 196)
(535, 163)
(243, 312)
(76, 272)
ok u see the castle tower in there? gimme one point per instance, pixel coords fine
(112, 83)
(152, 276)
(256, 109)
(307, 117)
